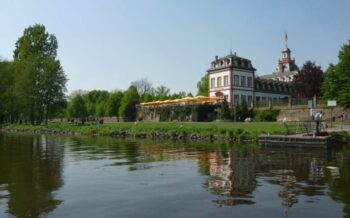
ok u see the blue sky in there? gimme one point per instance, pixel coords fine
(107, 44)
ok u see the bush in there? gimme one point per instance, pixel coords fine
(266, 115)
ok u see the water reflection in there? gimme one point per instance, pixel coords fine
(30, 171)
(338, 179)
(233, 174)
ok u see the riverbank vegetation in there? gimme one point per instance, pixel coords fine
(225, 131)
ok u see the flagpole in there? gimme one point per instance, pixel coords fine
(286, 39)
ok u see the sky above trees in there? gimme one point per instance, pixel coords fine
(107, 44)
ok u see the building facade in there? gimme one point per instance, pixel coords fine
(233, 78)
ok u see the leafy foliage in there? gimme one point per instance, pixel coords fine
(77, 108)
(266, 115)
(40, 81)
(113, 103)
(308, 81)
(337, 79)
(7, 102)
(128, 104)
(203, 86)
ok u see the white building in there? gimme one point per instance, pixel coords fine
(233, 78)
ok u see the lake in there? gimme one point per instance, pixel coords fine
(65, 176)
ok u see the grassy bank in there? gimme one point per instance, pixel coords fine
(173, 130)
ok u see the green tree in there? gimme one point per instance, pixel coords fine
(113, 103)
(203, 86)
(94, 102)
(225, 111)
(77, 108)
(101, 110)
(8, 110)
(162, 93)
(40, 83)
(336, 84)
(128, 104)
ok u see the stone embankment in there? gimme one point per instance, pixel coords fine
(129, 134)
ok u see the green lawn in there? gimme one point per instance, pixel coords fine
(221, 129)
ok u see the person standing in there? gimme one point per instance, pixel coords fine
(318, 117)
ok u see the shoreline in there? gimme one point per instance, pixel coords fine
(128, 134)
(224, 132)
(210, 132)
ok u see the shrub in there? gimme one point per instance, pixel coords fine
(267, 115)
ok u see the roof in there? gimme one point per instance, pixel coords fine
(231, 60)
(277, 75)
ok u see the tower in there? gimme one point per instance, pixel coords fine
(286, 64)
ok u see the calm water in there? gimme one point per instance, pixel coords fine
(53, 176)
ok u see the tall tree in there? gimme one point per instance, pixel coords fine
(113, 103)
(337, 78)
(77, 108)
(144, 87)
(203, 86)
(8, 110)
(41, 83)
(308, 81)
(161, 93)
(94, 102)
(128, 104)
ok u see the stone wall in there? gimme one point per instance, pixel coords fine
(302, 113)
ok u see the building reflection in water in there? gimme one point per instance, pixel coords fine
(31, 170)
(233, 174)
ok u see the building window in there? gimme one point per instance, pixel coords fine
(212, 83)
(236, 99)
(225, 80)
(243, 81)
(250, 81)
(236, 80)
(219, 84)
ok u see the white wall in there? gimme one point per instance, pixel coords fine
(216, 75)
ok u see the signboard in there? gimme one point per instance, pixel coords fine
(332, 103)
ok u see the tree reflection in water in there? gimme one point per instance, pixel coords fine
(338, 179)
(31, 168)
